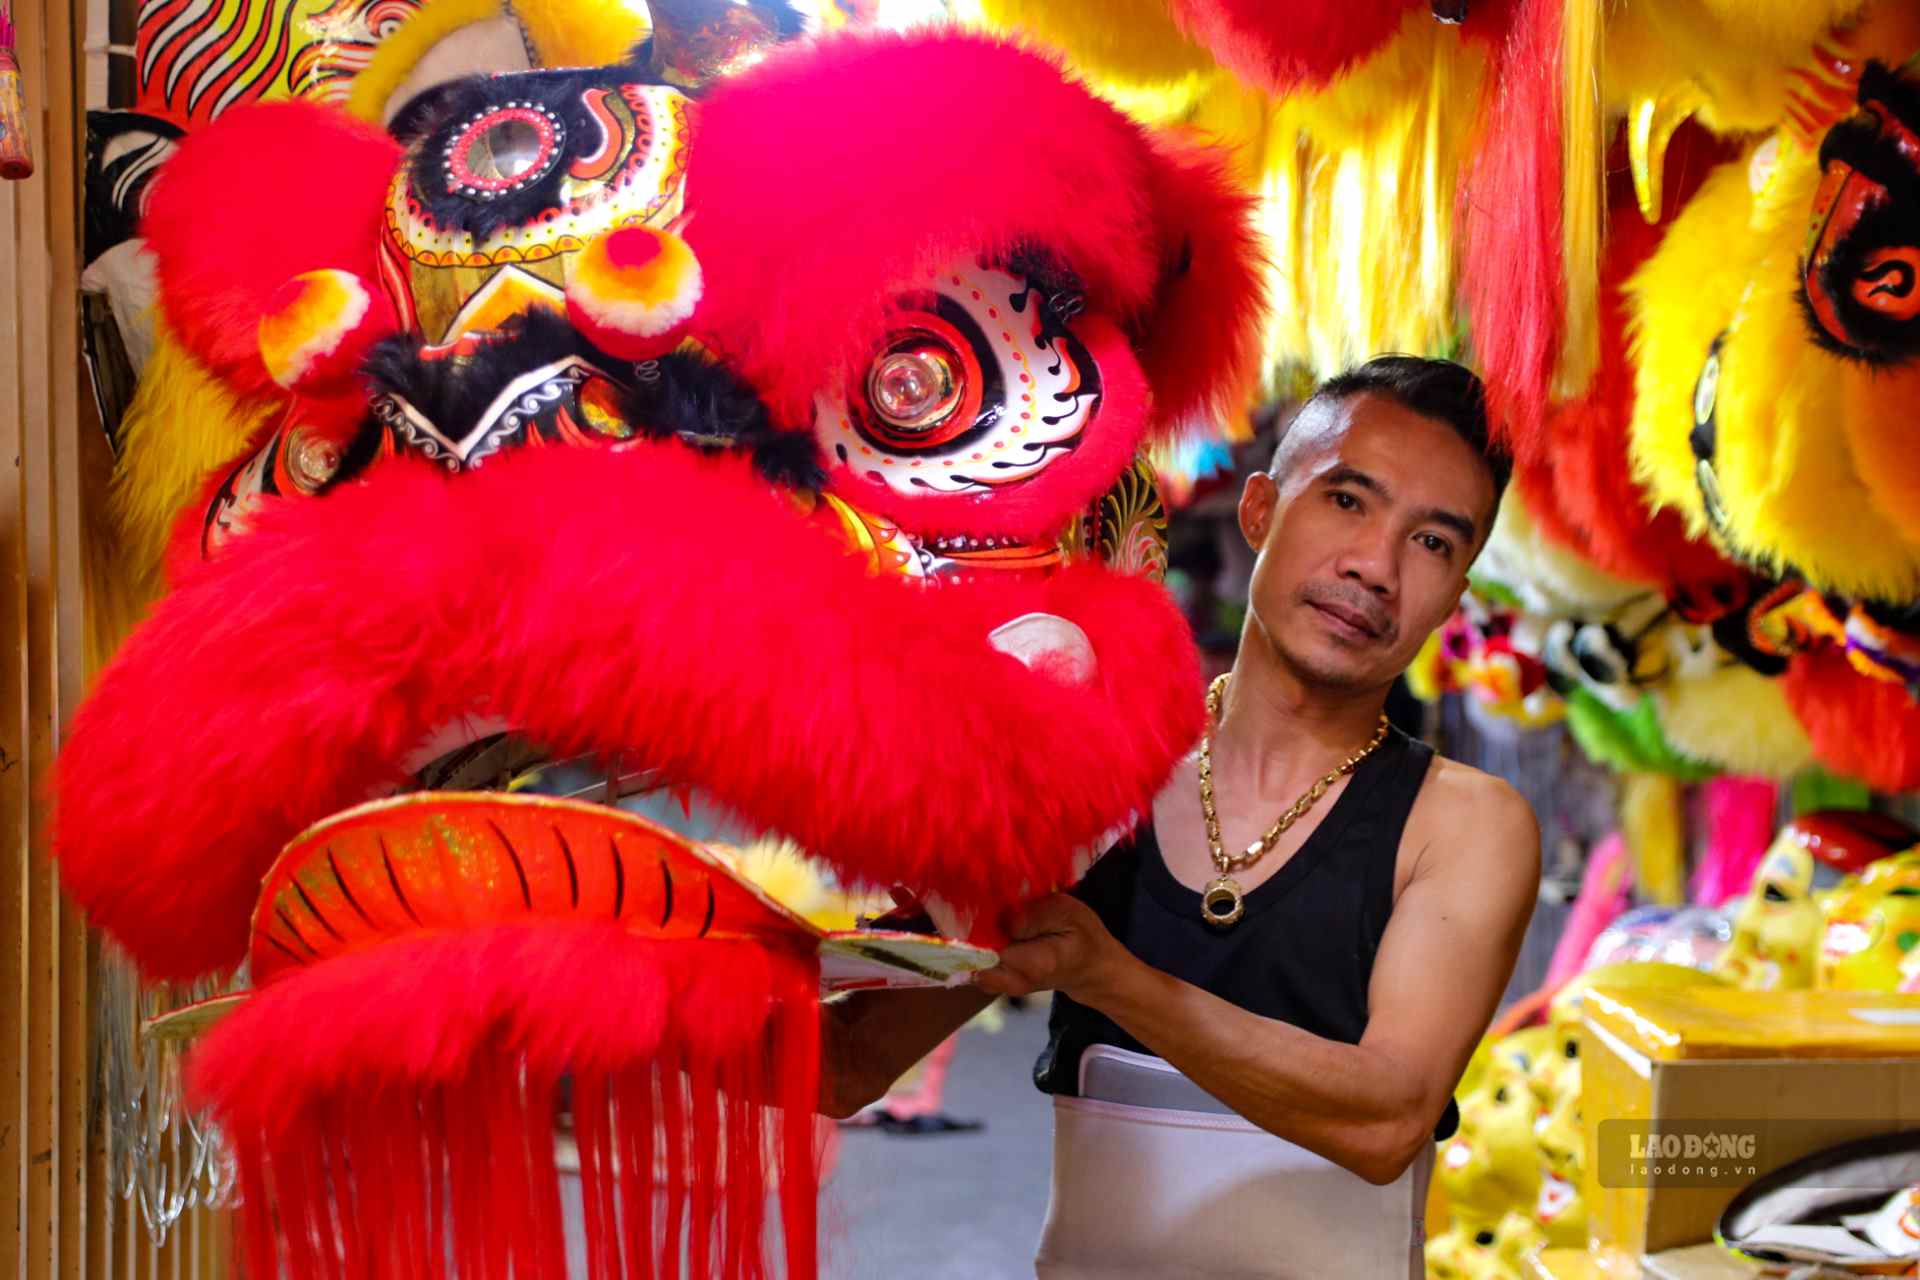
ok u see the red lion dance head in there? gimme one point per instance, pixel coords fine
(778, 444)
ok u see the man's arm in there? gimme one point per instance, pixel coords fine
(869, 1039)
(1370, 1107)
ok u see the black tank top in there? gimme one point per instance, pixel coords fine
(1303, 953)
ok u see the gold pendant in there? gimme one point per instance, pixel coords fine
(1223, 903)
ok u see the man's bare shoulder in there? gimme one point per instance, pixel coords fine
(1464, 818)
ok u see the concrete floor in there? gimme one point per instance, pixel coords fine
(953, 1207)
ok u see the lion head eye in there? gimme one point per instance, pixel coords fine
(914, 388)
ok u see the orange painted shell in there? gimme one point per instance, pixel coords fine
(448, 860)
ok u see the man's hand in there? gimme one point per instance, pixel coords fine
(1058, 944)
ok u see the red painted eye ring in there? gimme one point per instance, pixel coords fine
(460, 172)
(924, 329)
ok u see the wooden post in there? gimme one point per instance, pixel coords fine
(58, 1213)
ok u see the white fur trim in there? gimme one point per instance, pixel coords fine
(319, 346)
(623, 315)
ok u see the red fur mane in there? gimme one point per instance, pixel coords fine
(891, 155)
(218, 225)
(648, 600)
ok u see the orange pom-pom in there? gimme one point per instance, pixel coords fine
(633, 291)
(319, 325)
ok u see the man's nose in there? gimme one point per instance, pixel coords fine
(1371, 561)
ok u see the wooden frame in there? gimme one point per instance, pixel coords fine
(58, 1215)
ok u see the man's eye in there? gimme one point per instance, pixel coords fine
(1435, 543)
(1344, 500)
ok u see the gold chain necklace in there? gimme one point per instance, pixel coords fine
(1224, 902)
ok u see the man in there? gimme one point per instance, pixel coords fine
(1263, 1010)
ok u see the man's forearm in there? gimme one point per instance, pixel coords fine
(869, 1039)
(1345, 1102)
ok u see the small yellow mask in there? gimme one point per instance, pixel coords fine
(1776, 933)
(1872, 936)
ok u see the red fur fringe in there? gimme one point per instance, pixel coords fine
(392, 1111)
(902, 154)
(651, 600)
(264, 193)
(1199, 350)
(1574, 474)
(1512, 269)
(1863, 728)
(1294, 47)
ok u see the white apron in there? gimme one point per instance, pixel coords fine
(1157, 1191)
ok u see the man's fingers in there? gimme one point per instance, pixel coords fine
(1042, 916)
(1027, 966)
(1002, 981)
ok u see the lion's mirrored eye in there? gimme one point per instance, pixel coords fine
(310, 460)
(914, 388)
(505, 150)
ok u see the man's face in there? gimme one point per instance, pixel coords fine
(1363, 537)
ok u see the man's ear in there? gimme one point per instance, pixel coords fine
(1259, 505)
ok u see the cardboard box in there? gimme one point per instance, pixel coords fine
(1565, 1264)
(1798, 1071)
(1701, 1262)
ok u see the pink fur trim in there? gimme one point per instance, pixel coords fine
(1740, 817)
(1605, 891)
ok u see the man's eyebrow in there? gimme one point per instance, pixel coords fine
(1452, 520)
(1358, 479)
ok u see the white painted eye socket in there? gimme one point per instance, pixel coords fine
(914, 390)
(980, 384)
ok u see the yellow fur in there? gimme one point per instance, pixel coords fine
(1789, 414)
(563, 33)
(114, 600)
(1735, 718)
(1549, 579)
(1735, 53)
(1126, 42)
(399, 52)
(781, 870)
(583, 33)
(1786, 474)
(1650, 820)
(1371, 160)
(1584, 147)
(181, 424)
(1374, 160)
(1375, 93)
(1678, 301)
(1227, 114)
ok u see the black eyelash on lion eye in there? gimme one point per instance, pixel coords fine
(1050, 277)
